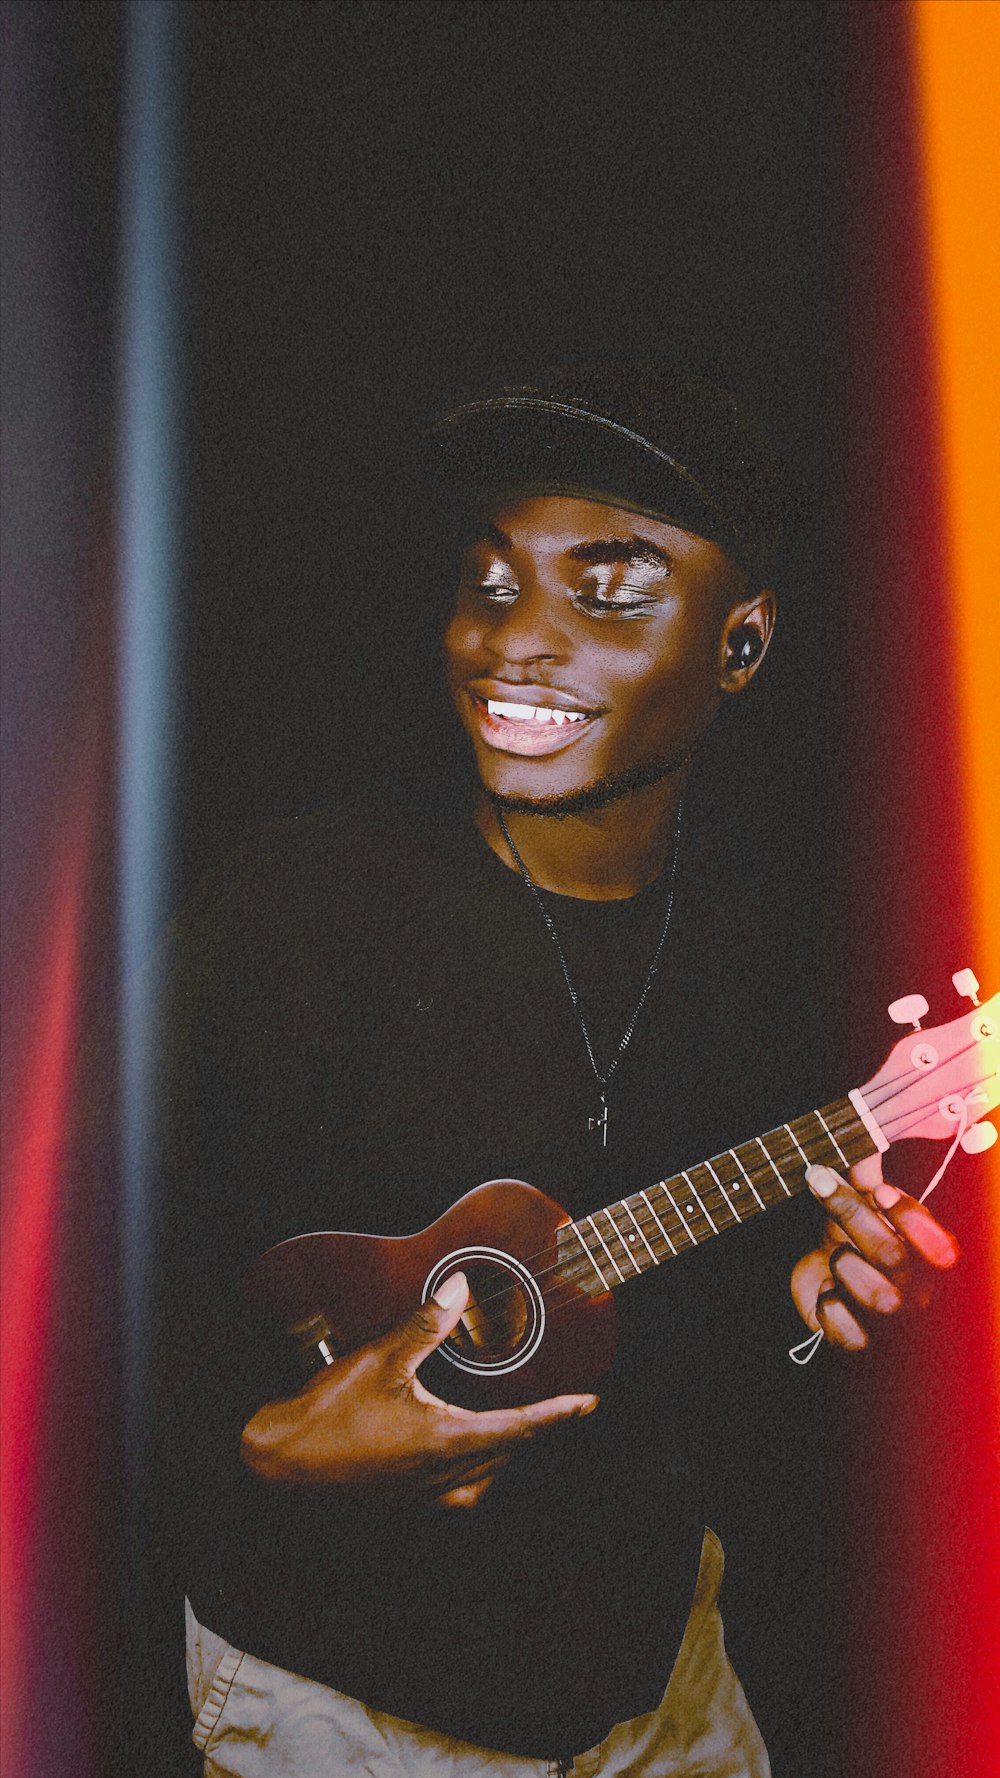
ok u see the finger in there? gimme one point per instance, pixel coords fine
(837, 1322)
(425, 1329)
(809, 1276)
(922, 1230)
(498, 1427)
(857, 1216)
(856, 1280)
(462, 1472)
(815, 1290)
(866, 1175)
(469, 1494)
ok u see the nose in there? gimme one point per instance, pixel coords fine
(530, 629)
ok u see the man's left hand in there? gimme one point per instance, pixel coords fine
(881, 1249)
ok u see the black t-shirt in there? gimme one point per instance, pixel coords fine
(364, 1022)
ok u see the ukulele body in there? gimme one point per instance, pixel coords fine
(539, 1322)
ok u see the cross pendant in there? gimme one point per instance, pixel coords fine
(600, 1123)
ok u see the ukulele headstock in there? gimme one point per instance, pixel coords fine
(937, 1080)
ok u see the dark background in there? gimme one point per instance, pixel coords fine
(382, 201)
(385, 201)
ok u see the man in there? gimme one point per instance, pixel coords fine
(367, 1020)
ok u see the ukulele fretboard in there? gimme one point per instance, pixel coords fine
(682, 1212)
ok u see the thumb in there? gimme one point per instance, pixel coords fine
(430, 1324)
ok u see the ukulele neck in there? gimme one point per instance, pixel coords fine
(685, 1211)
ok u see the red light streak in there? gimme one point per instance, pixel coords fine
(32, 1192)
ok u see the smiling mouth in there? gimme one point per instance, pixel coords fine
(538, 713)
(527, 729)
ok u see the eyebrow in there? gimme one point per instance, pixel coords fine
(626, 550)
(486, 532)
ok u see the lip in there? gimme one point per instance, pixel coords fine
(526, 739)
(546, 697)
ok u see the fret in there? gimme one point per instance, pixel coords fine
(821, 1145)
(678, 1213)
(770, 1162)
(614, 1263)
(651, 1227)
(784, 1152)
(753, 1188)
(832, 1137)
(738, 1180)
(729, 1203)
(789, 1158)
(714, 1194)
(798, 1144)
(638, 1228)
(609, 1216)
(658, 1223)
(815, 1146)
(846, 1131)
(626, 1241)
(577, 1230)
(705, 1213)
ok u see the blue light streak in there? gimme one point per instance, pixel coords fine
(148, 571)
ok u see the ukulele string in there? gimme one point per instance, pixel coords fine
(477, 1314)
(916, 1114)
(759, 1173)
(912, 1074)
(575, 1270)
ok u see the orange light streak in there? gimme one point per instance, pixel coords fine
(958, 61)
(958, 46)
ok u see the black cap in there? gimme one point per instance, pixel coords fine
(647, 437)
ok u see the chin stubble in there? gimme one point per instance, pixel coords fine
(613, 787)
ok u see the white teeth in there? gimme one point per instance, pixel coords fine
(513, 712)
(533, 713)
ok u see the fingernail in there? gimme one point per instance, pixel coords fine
(454, 1290)
(888, 1301)
(947, 1250)
(821, 1182)
(885, 1196)
(589, 1406)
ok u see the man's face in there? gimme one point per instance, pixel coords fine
(587, 648)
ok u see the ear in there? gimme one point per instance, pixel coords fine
(743, 644)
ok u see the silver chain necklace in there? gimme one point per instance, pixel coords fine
(599, 1123)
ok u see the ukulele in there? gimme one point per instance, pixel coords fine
(541, 1317)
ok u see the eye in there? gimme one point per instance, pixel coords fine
(495, 583)
(600, 598)
(497, 592)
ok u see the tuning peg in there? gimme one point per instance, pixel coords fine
(979, 1138)
(967, 985)
(908, 1011)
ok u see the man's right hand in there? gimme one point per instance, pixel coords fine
(367, 1422)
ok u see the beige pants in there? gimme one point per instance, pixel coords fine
(253, 1720)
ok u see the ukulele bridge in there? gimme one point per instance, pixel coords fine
(314, 1339)
(503, 1324)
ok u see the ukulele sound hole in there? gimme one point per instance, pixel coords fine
(505, 1318)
